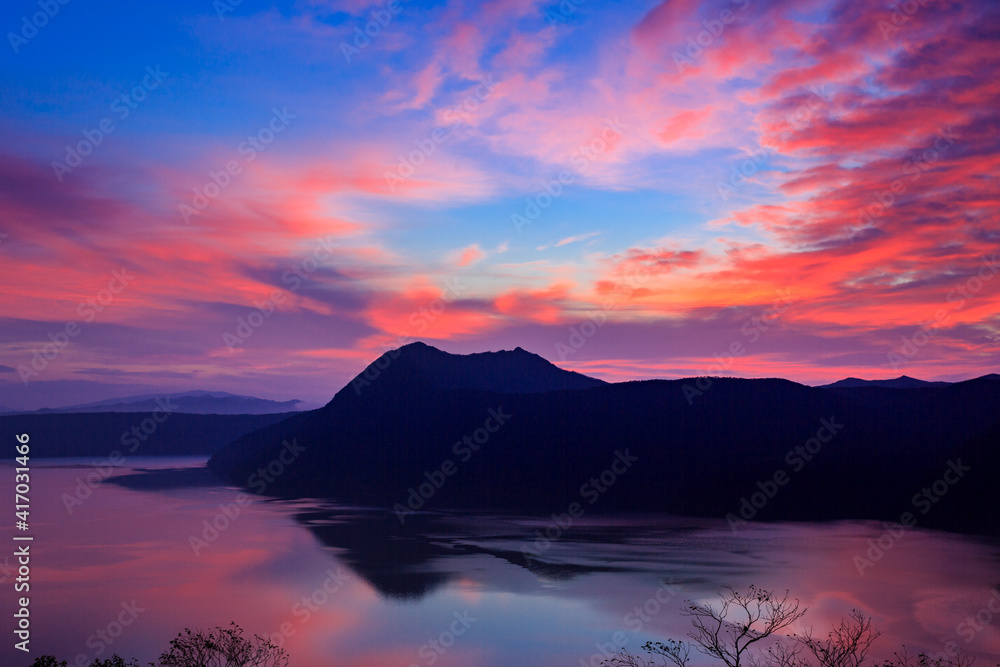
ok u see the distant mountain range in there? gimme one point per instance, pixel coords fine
(516, 371)
(191, 402)
(509, 431)
(185, 424)
(902, 382)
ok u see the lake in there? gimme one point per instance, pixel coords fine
(166, 547)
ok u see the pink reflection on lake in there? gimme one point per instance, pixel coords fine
(477, 603)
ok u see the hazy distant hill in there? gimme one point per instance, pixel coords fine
(902, 382)
(697, 454)
(191, 402)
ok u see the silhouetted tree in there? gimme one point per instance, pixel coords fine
(47, 661)
(674, 651)
(846, 645)
(726, 631)
(742, 620)
(904, 659)
(222, 647)
(113, 661)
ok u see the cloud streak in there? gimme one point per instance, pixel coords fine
(852, 148)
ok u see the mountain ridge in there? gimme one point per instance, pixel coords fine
(200, 402)
(902, 382)
(703, 444)
(514, 371)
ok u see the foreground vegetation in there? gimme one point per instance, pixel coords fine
(744, 630)
(220, 647)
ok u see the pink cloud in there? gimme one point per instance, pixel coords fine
(470, 255)
(688, 124)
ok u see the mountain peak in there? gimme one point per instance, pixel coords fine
(516, 371)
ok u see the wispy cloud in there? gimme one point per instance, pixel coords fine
(874, 215)
(574, 239)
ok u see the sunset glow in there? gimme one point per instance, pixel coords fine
(262, 198)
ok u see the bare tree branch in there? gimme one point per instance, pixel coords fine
(742, 620)
(846, 645)
(222, 647)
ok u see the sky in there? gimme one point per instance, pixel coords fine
(263, 197)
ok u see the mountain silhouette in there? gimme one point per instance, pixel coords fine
(507, 431)
(190, 402)
(508, 371)
(902, 382)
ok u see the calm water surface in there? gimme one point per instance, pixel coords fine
(337, 585)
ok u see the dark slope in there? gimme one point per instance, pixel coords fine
(695, 458)
(99, 434)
